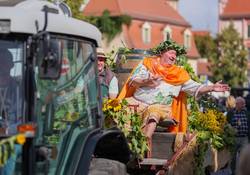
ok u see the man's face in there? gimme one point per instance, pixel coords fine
(168, 57)
(240, 104)
(101, 64)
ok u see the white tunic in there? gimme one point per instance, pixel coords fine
(164, 93)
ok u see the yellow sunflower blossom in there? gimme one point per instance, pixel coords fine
(109, 107)
(117, 108)
(114, 103)
(20, 139)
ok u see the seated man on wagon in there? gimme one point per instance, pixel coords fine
(159, 87)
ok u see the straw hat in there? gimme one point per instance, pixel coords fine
(100, 53)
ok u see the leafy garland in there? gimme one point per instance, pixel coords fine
(120, 53)
(7, 147)
(169, 45)
(214, 130)
(118, 114)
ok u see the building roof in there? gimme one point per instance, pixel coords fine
(203, 67)
(236, 9)
(201, 33)
(158, 13)
(150, 10)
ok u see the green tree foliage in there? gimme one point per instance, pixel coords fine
(110, 26)
(229, 62)
(75, 8)
(206, 45)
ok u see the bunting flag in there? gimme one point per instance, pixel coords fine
(7, 147)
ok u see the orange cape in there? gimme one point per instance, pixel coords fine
(173, 75)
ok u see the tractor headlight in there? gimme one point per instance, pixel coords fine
(4, 26)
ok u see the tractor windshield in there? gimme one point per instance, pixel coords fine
(11, 82)
(67, 107)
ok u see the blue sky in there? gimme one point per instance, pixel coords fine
(201, 14)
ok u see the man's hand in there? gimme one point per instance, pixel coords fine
(220, 87)
(217, 87)
(153, 81)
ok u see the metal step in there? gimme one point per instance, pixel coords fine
(153, 161)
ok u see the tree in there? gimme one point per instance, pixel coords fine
(206, 45)
(75, 8)
(109, 25)
(229, 62)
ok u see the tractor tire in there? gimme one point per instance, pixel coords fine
(101, 166)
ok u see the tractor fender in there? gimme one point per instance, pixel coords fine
(113, 145)
(108, 144)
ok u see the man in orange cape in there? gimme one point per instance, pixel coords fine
(159, 86)
(173, 75)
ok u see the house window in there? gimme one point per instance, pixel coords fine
(167, 33)
(187, 39)
(146, 33)
(248, 31)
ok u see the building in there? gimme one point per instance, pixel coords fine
(152, 22)
(237, 12)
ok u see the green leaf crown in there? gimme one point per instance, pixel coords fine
(168, 45)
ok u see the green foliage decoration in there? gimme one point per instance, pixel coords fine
(6, 149)
(183, 62)
(199, 158)
(117, 56)
(168, 45)
(117, 114)
(212, 130)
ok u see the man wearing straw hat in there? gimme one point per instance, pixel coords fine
(107, 79)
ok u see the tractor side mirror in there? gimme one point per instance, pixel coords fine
(49, 57)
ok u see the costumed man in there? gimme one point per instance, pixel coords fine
(107, 79)
(159, 87)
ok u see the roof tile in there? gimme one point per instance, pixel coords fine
(236, 8)
(156, 10)
(158, 13)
